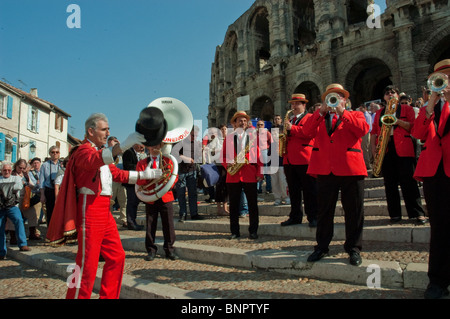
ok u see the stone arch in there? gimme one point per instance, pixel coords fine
(231, 56)
(432, 51)
(259, 26)
(263, 108)
(367, 79)
(303, 24)
(311, 90)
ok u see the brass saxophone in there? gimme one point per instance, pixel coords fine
(282, 145)
(388, 120)
(241, 159)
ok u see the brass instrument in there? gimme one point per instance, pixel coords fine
(388, 120)
(179, 123)
(241, 159)
(333, 100)
(437, 82)
(282, 144)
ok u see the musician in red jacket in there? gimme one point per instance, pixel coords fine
(399, 161)
(247, 176)
(163, 206)
(295, 163)
(84, 202)
(337, 161)
(432, 126)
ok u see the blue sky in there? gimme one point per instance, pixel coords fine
(125, 55)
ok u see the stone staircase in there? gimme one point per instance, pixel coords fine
(396, 254)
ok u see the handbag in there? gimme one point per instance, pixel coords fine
(210, 174)
(26, 198)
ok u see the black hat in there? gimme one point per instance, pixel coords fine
(152, 125)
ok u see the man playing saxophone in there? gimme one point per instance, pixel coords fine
(432, 126)
(241, 158)
(295, 163)
(399, 160)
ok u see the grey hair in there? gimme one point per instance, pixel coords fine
(92, 121)
(52, 148)
(6, 163)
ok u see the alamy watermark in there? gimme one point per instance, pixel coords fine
(374, 280)
(374, 20)
(74, 19)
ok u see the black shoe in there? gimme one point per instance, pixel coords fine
(421, 220)
(135, 227)
(253, 236)
(234, 236)
(182, 219)
(317, 255)
(435, 292)
(395, 220)
(290, 222)
(171, 256)
(355, 258)
(197, 217)
(313, 223)
(150, 257)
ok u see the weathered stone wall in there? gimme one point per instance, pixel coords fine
(277, 48)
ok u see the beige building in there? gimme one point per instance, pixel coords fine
(29, 125)
(277, 48)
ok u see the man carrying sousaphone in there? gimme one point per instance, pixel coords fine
(433, 168)
(337, 161)
(241, 158)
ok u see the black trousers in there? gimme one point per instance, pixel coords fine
(299, 182)
(166, 212)
(132, 204)
(400, 171)
(234, 192)
(437, 196)
(352, 198)
(49, 203)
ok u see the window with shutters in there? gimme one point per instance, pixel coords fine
(33, 119)
(3, 105)
(59, 121)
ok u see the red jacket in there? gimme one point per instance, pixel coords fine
(82, 174)
(299, 145)
(249, 172)
(340, 153)
(402, 138)
(142, 165)
(436, 148)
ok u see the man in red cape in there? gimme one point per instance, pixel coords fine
(83, 204)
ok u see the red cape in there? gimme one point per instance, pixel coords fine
(63, 229)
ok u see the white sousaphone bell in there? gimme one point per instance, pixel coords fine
(179, 125)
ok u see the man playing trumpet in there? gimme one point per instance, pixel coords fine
(337, 161)
(433, 168)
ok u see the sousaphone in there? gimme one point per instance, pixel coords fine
(179, 125)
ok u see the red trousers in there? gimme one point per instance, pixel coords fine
(97, 234)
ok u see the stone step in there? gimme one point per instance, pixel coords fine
(373, 230)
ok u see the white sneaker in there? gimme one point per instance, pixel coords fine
(277, 202)
(287, 201)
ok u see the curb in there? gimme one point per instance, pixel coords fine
(393, 275)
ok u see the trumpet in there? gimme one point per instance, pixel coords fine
(333, 100)
(437, 82)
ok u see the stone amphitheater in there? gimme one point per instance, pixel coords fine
(277, 48)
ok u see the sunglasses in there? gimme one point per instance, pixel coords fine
(54, 152)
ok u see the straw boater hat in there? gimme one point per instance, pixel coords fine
(239, 114)
(335, 88)
(298, 98)
(443, 67)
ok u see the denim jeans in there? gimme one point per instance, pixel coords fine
(187, 180)
(14, 214)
